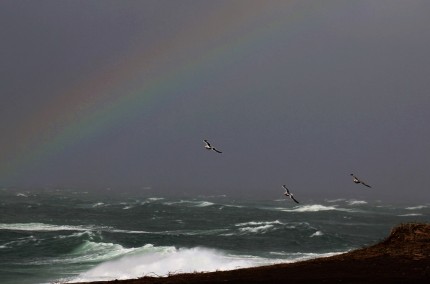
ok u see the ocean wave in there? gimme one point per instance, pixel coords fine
(90, 230)
(416, 207)
(254, 223)
(89, 252)
(90, 235)
(335, 200)
(155, 198)
(356, 202)
(204, 204)
(41, 227)
(410, 215)
(298, 256)
(19, 242)
(257, 230)
(192, 203)
(314, 208)
(164, 261)
(258, 227)
(317, 234)
(95, 252)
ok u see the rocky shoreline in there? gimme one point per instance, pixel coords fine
(403, 257)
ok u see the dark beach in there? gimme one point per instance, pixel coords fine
(403, 257)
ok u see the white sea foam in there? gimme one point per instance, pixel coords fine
(98, 204)
(96, 252)
(254, 223)
(41, 227)
(317, 234)
(79, 234)
(19, 242)
(410, 215)
(294, 257)
(258, 227)
(155, 198)
(416, 207)
(314, 208)
(191, 202)
(204, 204)
(356, 202)
(257, 230)
(162, 261)
(90, 252)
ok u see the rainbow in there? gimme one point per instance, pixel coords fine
(139, 83)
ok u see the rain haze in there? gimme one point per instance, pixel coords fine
(121, 94)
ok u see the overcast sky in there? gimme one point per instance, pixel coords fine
(120, 95)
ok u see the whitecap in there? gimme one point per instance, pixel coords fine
(256, 230)
(90, 252)
(410, 215)
(155, 198)
(356, 202)
(416, 207)
(254, 223)
(314, 208)
(19, 242)
(193, 203)
(204, 204)
(164, 261)
(298, 256)
(40, 227)
(317, 234)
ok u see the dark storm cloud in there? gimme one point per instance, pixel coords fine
(339, 87)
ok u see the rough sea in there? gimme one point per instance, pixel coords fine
(58, 236)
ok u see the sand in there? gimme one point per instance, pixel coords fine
(403, 257)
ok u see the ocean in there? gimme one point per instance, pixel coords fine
(66, 236)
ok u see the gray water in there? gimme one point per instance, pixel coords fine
(67, 236)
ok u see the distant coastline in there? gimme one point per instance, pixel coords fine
(403, 257)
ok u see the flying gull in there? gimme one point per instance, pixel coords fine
(356, 180)
(289, 194)
(208, 146)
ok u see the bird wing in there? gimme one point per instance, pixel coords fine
(216, 150)
(294, 199)
(284, 186)
(207, 143)
(363, 183)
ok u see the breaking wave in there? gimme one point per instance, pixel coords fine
(192, 203)
(410, 215)
(150, 260)
(317, 234)
(314, 208)
(416, 207)
(258, 227)
(356, 202)
(41, 227)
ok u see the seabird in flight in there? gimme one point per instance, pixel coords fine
(208, 146)
(356, 180)
(289, 194)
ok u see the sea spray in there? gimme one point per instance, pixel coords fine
(163, 261)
